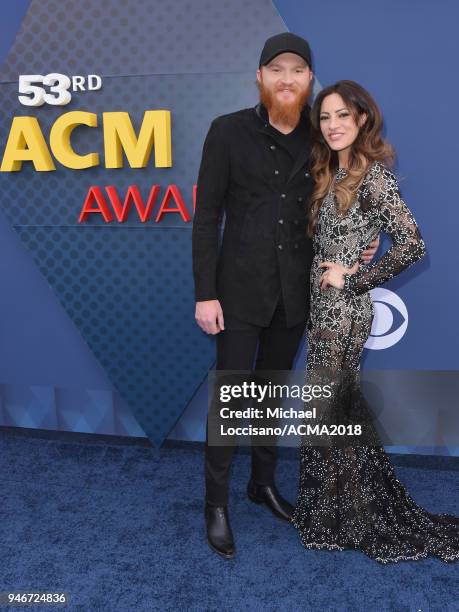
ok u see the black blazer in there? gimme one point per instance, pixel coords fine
(264, 248)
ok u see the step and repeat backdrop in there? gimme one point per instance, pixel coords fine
(104, 109)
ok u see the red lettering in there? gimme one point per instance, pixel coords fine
(132, 195)
(96, 203)
(173, 192)
(95, 196)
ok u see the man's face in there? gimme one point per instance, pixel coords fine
(284, 86)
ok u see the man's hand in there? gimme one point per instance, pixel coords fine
(369, 253)
(209, 316)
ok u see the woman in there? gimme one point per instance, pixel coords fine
(349, 496)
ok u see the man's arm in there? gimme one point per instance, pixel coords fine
(370, 251)
(210, 196)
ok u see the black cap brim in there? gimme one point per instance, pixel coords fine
(287, 50)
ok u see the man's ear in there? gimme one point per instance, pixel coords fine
(259, 75)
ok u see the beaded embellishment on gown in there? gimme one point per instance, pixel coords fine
(349, 497)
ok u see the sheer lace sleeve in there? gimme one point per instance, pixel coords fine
(396, 220)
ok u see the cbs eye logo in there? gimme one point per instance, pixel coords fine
(390, 321)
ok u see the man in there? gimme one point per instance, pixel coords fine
(253, 293)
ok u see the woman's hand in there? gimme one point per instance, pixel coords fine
(334, 274)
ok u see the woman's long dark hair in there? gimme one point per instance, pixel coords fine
(369, 146)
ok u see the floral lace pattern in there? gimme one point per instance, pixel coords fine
(349, 497)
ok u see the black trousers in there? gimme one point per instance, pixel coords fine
(236, 350)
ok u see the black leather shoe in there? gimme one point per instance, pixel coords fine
(219, 534)
(271, 497)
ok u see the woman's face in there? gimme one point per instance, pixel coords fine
(337, 123)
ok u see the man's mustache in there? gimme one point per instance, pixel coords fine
(292, 89)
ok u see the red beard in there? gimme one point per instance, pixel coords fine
(283, 113)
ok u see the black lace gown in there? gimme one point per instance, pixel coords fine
(349, 496)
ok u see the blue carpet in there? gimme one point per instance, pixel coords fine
(118, 526)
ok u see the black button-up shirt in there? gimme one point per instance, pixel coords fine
(285, 152)
(291, 144)
(260, 179)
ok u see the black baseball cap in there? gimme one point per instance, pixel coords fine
(285, 43)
